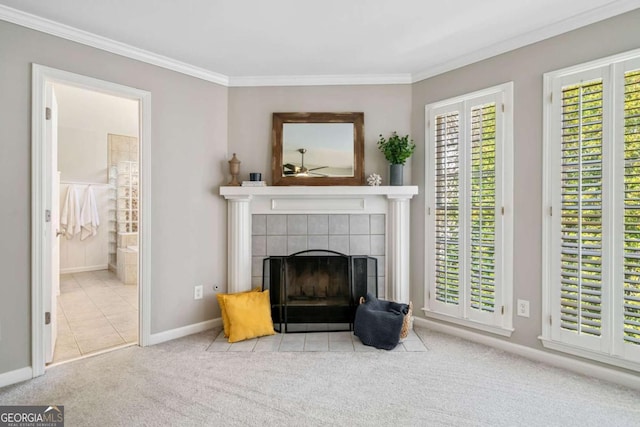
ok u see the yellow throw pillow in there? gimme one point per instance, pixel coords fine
(223, 311)
(249, 315)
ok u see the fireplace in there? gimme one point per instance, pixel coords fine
(317, 290)
(390, 202)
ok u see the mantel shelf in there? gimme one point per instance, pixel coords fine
(407, 191)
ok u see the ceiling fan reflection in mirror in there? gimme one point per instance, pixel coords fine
(289, 169)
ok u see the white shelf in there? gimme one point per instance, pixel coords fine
(317, 191)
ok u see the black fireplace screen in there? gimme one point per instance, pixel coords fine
(317, 290)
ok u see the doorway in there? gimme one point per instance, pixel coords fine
(98, 169)
(80, 296)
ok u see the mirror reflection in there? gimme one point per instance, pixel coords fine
(317, 149)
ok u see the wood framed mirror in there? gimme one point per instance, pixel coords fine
(318, 149)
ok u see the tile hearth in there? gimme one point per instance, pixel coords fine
(311, 342)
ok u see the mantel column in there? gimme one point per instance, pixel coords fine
(398, 247)
(239, 243)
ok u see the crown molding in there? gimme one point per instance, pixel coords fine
(586, 18)
(84, 37)
(321, 80)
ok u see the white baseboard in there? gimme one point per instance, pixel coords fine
(568, 363)
(16, 376)
(172, 334)
(83, 269)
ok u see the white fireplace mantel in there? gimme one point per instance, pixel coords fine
(392, 201)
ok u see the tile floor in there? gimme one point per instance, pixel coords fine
(313, 341)
(96, 311)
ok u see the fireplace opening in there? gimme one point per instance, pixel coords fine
(317, 290)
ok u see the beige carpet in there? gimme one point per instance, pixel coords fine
(453, 383)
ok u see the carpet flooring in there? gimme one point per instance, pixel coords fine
(453, 383)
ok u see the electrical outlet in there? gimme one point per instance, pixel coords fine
(523, 308)
(198, 292)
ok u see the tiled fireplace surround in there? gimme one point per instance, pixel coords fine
(355, 220)
(350, 234)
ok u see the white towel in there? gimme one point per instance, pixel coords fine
(89, 220)
(70, 215)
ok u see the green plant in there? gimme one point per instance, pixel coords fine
(396, 149)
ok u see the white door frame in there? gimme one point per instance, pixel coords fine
(40, 201)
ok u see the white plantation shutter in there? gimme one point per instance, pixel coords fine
(581, 203)
(631, 260)
(465, 247)
(483, 207)
(580, 271)
(447, 207)
(591, 289)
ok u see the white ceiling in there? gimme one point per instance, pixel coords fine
(245, 39)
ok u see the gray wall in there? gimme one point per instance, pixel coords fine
(189, 143)
(524, 67)
(386, 108)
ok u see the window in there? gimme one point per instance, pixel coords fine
(469, 215)
(591, 289)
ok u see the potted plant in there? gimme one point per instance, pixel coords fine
(397, 149)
